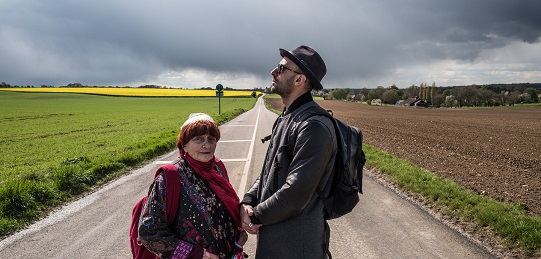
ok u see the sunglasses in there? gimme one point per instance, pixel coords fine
(282, 67)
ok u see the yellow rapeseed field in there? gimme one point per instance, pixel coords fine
(144, 92)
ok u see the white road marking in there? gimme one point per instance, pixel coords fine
(244, 179)
(233, 141)
(238, 125)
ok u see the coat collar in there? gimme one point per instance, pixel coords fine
(305, 98)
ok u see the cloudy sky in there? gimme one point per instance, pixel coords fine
(193, 44)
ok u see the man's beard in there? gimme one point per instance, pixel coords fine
(283, 88)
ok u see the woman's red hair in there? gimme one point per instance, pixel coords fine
(197, 128)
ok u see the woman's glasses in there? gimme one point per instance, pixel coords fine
(200, 140)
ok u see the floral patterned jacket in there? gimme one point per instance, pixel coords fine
(202, 220)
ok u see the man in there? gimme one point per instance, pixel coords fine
(283, 206)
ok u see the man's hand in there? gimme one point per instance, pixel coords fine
(245, 212)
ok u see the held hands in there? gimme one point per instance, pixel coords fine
(245, 212)
(207, 255)
(243, 238)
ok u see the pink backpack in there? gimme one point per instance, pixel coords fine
(172, 180)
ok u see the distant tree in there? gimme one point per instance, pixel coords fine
(513, 98)
(450, 101)
(376, 93)
(360, 97)
(75, 85)
(532, 94)
(150, 86)
(432, 90)
(399, 92)
(339, 94)
(364, 92)
(410, 92)
(446, 92)
(438, 100)
(485, 97)
(465, 95)
(390, 96)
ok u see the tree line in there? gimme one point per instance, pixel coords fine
(79, 85)
(449, 96)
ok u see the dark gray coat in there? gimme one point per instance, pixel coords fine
(299, 160)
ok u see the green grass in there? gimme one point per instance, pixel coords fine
(538, 105)
(510, 221)
(272, 96)
(54, 147)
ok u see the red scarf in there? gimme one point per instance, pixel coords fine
(217, 183)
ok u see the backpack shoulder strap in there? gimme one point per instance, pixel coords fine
(316, 110)
(313, 111)
(328, 113)
(172, 188)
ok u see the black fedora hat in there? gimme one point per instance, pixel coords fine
(310, 62)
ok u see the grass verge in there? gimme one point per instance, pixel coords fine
(508, 220)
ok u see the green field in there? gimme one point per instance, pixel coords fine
(56, 146)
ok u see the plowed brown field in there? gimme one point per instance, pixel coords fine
(492, 151)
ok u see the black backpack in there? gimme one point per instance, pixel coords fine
(348, 169)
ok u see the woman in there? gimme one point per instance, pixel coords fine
(207, 223)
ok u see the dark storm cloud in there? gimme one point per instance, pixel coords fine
(117, 42)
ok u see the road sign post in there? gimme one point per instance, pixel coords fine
(219, 94)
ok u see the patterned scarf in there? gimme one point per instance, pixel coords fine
(217, 183)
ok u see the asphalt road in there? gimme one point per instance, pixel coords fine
(383, 225)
